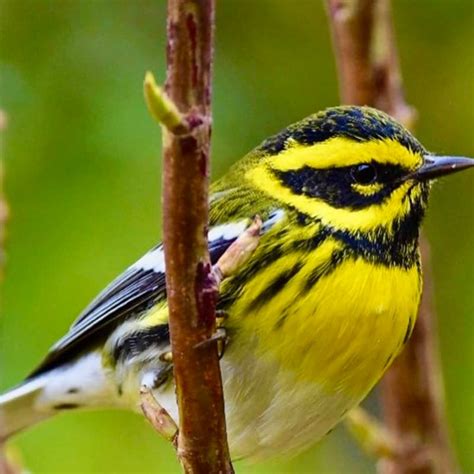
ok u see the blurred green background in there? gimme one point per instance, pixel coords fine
(83, 180)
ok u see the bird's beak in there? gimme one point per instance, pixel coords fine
(436, 166)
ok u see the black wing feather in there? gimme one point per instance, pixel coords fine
(129, 295)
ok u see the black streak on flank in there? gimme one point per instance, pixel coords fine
(73, 390)
(387, 362)
(138, 342)
(281, 321)
(323, 270)
(276, 286)
(66, 406)
(232, 291)
(311, 243)
(408, 330)
(329, 432)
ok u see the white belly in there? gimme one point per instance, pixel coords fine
(268, 414)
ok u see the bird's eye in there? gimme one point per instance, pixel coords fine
(364, 174)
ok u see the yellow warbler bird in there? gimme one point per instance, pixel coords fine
(313, 319)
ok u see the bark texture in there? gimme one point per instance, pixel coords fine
(192, 292)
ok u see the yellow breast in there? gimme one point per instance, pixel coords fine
(341, 332)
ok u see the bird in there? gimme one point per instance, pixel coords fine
(312, 320)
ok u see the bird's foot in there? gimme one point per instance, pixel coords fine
(220, 338)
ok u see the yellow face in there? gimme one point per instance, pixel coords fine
(351, 169)
(346, 184)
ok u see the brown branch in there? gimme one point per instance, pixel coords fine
(351, 22)
(366, 56)
(387, 77)
(412, 390)
(191, 289)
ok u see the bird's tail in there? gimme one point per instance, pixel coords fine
(17, 408)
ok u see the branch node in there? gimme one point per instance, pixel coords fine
(157, 415)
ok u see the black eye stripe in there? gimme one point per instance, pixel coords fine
(336, 185)
(384, 173)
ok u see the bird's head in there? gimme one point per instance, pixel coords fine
(355, 169)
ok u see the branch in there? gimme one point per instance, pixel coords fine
(351, 25)
(366, 56)
(185, 111)
(387, 77)
(412, 390)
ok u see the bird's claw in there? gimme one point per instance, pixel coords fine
(220, 338)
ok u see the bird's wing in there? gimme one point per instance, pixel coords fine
(140, 287)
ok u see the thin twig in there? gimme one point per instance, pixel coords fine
(412, 390)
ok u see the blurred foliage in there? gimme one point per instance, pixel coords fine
(81, 158)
